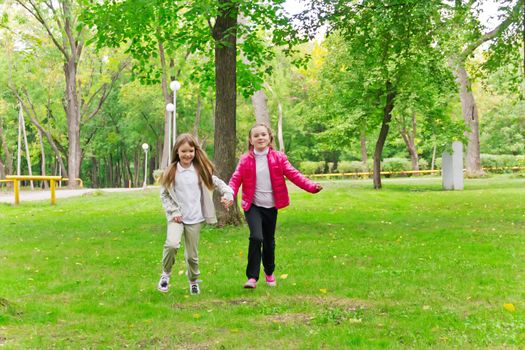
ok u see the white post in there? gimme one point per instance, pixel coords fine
(170, 108)
(457, 165)
(59, 173)
(174, 86)
(145, 148)
(19, 151)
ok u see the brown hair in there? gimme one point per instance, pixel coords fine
(202, 164)
(250, 146)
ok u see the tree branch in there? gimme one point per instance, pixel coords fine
(493, 33)
(35, 12)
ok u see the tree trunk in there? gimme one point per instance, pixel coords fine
(387, 116)
(22, 125)
(8, 157)
(364, 155)
(433, 157)
(410, 142)
(165, 161)
(225, 138)
(136, 167)
(73, 122)
(470, 116)
(94, 172)
(43, 158)
(260, 107)
(197, 120)
(280, 127)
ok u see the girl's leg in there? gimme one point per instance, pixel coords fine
(191, 252)
(268, 251)
(171, 246)
(254, 220)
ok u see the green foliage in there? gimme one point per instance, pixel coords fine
(309, 168)
(502, 160)
(396, 164)
(351, 167)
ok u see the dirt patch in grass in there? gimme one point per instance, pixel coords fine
(346, 304)
(169, 343)
(211, 303)
(291, 318)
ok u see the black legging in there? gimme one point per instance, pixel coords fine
(261, 222)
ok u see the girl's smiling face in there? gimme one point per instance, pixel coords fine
(186, 154)
(260, 138)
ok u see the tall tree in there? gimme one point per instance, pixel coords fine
(210, 28)
(471, 36)
(59, 19)
(387, 43)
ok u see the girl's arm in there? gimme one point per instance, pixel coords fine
(224, 189)
(236, 180)
(171, 207)
(297, 178)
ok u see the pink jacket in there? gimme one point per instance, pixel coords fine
(279, 167)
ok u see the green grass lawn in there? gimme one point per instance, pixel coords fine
(409, 266)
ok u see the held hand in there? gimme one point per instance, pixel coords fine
(318, 187)
(177, 219)
(226, 203)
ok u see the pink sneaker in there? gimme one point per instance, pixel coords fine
(251, 284)
(270, 280)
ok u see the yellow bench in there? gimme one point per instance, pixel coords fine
(16, 184)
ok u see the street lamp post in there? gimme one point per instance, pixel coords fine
(171, 109)
(174, 86)
(145, 147)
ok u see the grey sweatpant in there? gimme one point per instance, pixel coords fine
(191, 242)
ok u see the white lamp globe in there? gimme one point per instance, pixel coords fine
(174, 85)
(170, 107)
(145, 146)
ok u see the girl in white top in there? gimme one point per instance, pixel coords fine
(186, 194)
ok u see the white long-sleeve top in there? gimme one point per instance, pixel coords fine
(263, 196)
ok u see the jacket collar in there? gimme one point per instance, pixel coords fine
(251, 152)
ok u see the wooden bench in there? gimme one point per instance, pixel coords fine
(16, 184)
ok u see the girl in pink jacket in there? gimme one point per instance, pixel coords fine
(262, 173)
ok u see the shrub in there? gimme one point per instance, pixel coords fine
(157, 173)
(351, 167)
(500, 161)
(423, 164)
(396, 164)
(309, 168)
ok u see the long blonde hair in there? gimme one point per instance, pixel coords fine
(202, 164)
(271, 144)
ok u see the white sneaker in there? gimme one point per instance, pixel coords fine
(164, 283)
(194, 288)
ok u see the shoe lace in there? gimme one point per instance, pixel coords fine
(164, 281)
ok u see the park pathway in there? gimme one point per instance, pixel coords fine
(38, 195)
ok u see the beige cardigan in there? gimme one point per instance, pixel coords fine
(173, 208)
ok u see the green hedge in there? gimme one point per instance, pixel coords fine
(351, 167)
(404, 164)
(309, 168)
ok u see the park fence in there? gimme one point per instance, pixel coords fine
(407, 173)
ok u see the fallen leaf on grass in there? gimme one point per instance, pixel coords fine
(196, 316)
(284, 276)
(323, 290)
(181, 272)
(509, 307)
